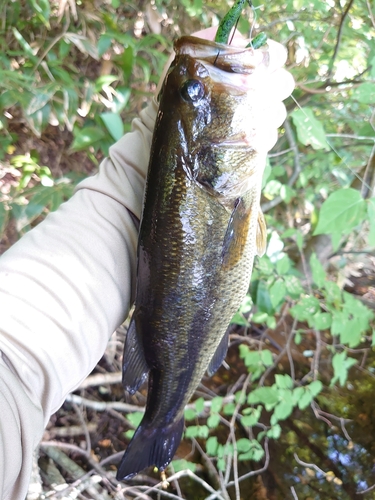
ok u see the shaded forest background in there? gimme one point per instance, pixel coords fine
(291, 414)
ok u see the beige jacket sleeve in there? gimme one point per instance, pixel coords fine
(67, 282)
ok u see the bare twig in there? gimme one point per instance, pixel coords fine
(352, 136)
(193, 476)
(366, 490)
(124, 407)
(310, 466)
(294, 493)
(103, 406)
(101, 379)
(339, 35)
(318, 414)
(345, 432)
(84, 426)
(288, 350)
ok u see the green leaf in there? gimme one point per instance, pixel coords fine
(38, 121)
(212, 446)
(252, 416)
(104, 43)
(283, 265)
(243, 445)
(282, 411)
(305, 400)
(135, 418)
(341, 365)
(284, 381)
(259, 317)
(86, 137)
(199, 405)
(322, 321)
(42, 8)
(197, 431)
(365, 93)
(265, 265)
(239, 319)
(126, 61)
(371, 219)
(114, 124)
(315, 387)
(263, 299)
(216, 404)
(266, 357)
(129, 434)
(121, 99)
(229, 409)
(182, 464)
(24, 44)
(240, 398)
(341, 212)
(352, 321)
(309, 129)
(318, 273)
(293, 286)
(104, 81)
(252, 450)
(265, 395)
(277, 292)
(213, 420)
(38, 202)
(40, 99)
(190, 414)
(305, 309)
(274, 432)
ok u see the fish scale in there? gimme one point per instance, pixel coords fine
(201, 227)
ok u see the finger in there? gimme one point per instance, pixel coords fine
(277, 53)
(276, 86)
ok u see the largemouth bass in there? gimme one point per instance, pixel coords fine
(201, 227)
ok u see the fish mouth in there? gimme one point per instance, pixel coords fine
(222, 57)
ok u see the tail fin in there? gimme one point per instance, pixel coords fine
(150, 446)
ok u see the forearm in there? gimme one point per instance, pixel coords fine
(64, 288)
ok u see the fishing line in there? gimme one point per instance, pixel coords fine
(364, 183)
(253, 21)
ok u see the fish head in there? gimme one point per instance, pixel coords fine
(186, 90)
(206, 99)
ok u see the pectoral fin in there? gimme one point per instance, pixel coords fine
(219, 355)
(236, 235)
(134, 365)
(261, 236)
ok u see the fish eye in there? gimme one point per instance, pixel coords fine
(192, 90)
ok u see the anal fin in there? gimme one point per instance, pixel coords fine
(134, 365)
(219, 356)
